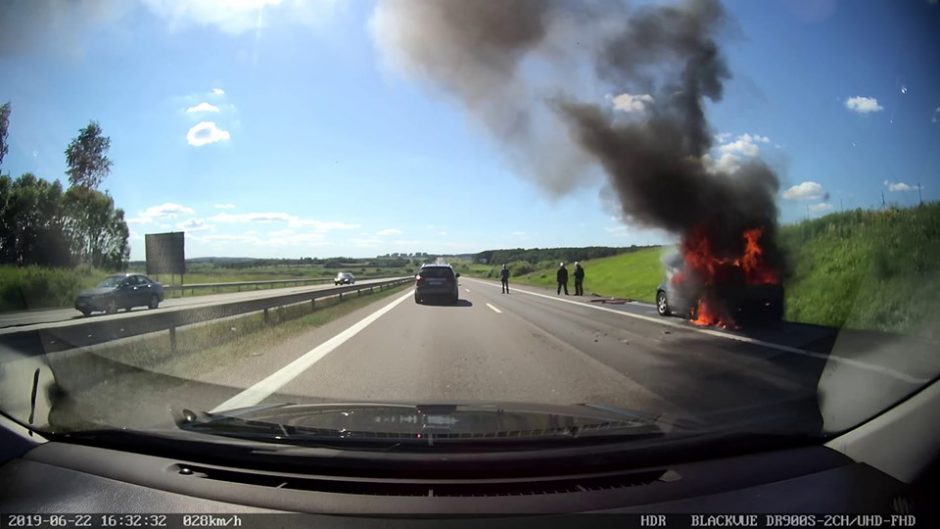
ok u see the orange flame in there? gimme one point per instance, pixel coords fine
(712, 270)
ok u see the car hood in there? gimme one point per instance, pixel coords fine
(458, 422)
(97, 291)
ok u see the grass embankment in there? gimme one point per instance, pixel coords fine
(202, 348)
(31, 287)
(628, 275)
(876, 270)
(867, 269)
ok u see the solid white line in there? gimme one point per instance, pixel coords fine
(713, 332)
(467, 289)
(494, 309)
(262, 390)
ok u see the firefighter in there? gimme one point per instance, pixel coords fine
(578, 279)
(562, 277)
(504, 278)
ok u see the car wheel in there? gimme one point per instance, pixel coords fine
(693, 312)
(154, 302)
(455, 299)
(776, 313)
(85, 312)
(111, 307)
(662, 304)
(417, 299)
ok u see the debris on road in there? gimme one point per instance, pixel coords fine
(612, 301)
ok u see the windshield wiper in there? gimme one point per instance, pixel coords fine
(424, 434)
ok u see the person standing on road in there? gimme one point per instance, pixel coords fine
(504, 278)
(578, 279)
(562, 277)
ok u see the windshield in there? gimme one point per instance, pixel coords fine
(437, 272)
(112, 281)
(718, 215)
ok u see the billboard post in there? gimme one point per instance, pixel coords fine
(166, 254)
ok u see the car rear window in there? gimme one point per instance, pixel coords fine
(437, 271)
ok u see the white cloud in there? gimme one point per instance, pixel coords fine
(240, 238)
(806, 191)
(291, 220)
(224, 206)
(388, 232)
(863, 105)
(206, 132)
(744, 145)
(162, 212)
(218, 92)
(821, 207)
(631, 103)
(900, 186)
(366, 242)
(730, 154)
(192, 225)
(240, 16)
(936, 115)
(202, 108)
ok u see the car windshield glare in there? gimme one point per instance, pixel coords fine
(437, 272)
(110, 282)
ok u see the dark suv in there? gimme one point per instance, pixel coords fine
(436, 280)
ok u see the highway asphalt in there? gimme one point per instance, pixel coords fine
(529, 346)
(20, 320)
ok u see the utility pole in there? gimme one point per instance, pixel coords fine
(883, 205)
(920, 194)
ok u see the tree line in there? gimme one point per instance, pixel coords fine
(537, 255)
(43, 224)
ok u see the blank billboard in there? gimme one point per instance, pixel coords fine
(165, 254)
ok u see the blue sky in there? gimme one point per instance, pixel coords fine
(300, 141)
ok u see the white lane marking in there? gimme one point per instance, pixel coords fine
(713, 332)
(497, 311)
(262, 390)
(467, 289)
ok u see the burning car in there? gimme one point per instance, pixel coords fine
(720, 291)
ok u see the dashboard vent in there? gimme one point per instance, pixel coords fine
(453, 488)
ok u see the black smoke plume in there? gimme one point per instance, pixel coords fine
(541, 76)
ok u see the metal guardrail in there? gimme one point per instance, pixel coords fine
(95, 331)
(238, 285)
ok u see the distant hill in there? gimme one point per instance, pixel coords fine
(538, 255)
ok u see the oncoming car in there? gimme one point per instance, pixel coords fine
(120, 291)
(436, 280)
(344, 278)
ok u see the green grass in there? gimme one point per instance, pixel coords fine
(202, 348)
(867, 269)
(632, 275)
(33, 287)
(877, 270)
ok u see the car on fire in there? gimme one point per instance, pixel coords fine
(737, 300)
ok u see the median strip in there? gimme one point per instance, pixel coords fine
(265, 388)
